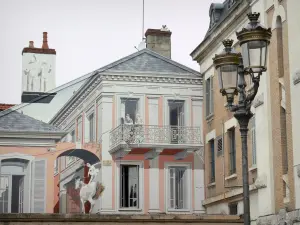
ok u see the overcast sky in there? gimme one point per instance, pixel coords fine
(92, 33)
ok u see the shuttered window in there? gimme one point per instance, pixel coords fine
(212, 160)
(39, 186)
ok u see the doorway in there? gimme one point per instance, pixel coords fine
(176, 115)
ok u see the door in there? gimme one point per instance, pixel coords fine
(176, 121)
(21, 194)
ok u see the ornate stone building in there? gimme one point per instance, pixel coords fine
(273, 132)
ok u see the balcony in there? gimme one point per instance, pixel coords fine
(153, 139)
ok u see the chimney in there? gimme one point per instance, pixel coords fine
(45, 41)
(159, 41)
(31, 44)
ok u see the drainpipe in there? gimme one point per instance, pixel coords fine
(223, 153)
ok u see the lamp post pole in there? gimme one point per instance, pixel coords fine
(233, 69)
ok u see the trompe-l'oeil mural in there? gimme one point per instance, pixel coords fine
(91, 191)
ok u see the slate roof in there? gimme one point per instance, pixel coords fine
(149, 61)
(14, 121)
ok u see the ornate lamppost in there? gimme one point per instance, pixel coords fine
(234, 69)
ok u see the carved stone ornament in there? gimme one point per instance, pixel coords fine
(258, 101)
(261, 181)
(296, 77)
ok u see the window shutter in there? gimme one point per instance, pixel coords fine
(219, 146)
(39, 186)
(211, 96)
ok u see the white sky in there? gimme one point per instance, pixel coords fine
(92, 33)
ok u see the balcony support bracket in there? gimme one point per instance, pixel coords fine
(153, 153)
(181, 155)
(121, 153)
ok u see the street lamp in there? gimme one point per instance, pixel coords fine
(234, 69)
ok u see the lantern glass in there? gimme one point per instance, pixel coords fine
(254, 55)
(228, 78)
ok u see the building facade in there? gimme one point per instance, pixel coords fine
(26, 165)
(271, 145)
(144, 111)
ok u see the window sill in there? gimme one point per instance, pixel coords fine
(130, 209)
(211, 184)
(179, 210)
(253, 168)
(209, 117)
(232, 176)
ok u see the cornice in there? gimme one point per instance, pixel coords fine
(76, 101)
(33, 135)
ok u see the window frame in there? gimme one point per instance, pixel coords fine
(188, 183)
(212, 156)
(91, 127)
(141, 185)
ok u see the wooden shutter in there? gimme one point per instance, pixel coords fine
(39, 186)
(86, 129)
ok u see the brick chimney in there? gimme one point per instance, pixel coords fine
(45, 41)
(159, 41)
(31, 44)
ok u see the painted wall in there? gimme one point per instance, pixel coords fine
(38, 72)
(36, 153)
(105, 103)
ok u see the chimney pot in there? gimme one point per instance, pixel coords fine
(45, 41)
(31, 44)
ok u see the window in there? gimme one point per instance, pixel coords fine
(129, 186)
(212, 160)
(283, 129)
(253, 140)
(79, 129)
(233, 208)
(70, 159)
(209, 96)
(91, 127)
(178, 192)
(129, 109)
(232, 150)
(56, 166)
(73, 139)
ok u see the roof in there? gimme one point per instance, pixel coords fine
(143, 61)
(5, 106)
(13, 121)
(218, 12)
(148, 61)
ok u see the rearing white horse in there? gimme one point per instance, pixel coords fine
(91, 191)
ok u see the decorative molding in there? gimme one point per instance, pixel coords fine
(258, 101)
(296, 77)
(298, 170)
(181, 155)
(77, 102)
(153, 153)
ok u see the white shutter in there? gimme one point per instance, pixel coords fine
(39, 186)
(99, 134)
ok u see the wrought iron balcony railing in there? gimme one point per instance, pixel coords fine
(153, 134)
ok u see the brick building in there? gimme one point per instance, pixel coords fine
(270, 139)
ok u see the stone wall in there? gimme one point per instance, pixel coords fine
(70, 219)
(282, 218)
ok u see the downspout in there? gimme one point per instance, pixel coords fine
(223, 153)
